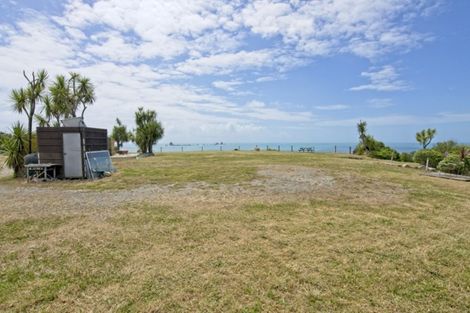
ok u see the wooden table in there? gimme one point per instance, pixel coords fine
(41, 171)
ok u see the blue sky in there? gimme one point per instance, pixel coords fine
(253, 71)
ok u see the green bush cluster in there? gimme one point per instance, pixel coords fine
(376, 149)
(406, 157)
(434, 157)
(385, 153)
(452, 164)
(451, 147)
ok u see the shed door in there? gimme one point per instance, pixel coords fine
(72, 155)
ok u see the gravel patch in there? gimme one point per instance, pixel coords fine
(292, 179)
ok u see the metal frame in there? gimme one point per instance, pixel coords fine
(88, 161)
(41, 172)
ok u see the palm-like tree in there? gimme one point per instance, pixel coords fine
(50, 114)
(81, 92)
(60, 96)
(425, 137)
(86, 92)
(149, 130)
(14, 147)
(120, 134)
(68, 95)
(362, 130)
(25, 100)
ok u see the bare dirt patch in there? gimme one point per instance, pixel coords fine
(274, 183)
(292, 179)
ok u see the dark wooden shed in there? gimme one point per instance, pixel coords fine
(66, 147)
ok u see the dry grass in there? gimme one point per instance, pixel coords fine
(238, 232)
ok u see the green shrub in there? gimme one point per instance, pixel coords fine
(448, 146)
(359, 149)
(385, 153)
(406, 157)
(371, 143)
(434, 157)
(466, 161)
(452, 164)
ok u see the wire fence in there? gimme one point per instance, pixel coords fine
(344, 149)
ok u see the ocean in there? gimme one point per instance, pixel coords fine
(286, 147)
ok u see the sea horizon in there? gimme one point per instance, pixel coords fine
(338, 147)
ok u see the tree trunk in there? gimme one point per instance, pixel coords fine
(83, 111)
(30, 134)
(19, 171)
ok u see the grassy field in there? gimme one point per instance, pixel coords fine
(238, 232)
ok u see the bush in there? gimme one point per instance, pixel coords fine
(466, 161)
(406, 157)
(359, 149)
(385, 153)
(434, 157)
(15, 149)
(452, 164)
(371, 143)
(448, 146)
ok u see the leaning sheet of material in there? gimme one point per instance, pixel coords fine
(99, 162)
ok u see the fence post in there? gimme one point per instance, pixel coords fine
(267, 148)
(427, 164)
(350, 150)
(278, 148)
(181, 148)
(202, 148)
(161, 149)
(291, 148)
(335, 149)
(220, 148)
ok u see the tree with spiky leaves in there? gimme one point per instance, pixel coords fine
(14, 146)
(66, 97)
(148, 131)
(120, 134)
(25, 100)
(60, 98)
(81, 92)
(362, 130)
(425, 137)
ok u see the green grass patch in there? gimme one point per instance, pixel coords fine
(381, 239)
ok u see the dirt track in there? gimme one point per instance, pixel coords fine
(274, 183)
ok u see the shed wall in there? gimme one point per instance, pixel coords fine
(50, 145)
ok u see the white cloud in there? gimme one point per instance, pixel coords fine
(333, 107)
(167, 29)
(367, 28)
(146, 53)
(227, 85)
(163, 29)
(259, 110)
(400, 119)
(226, 63)
(380, 103)
(383, 79)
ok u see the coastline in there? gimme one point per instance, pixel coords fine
(286, 147)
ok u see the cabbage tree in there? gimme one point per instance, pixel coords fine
(425, 137)
(26, 100)
(149, 130)
(14, 147)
